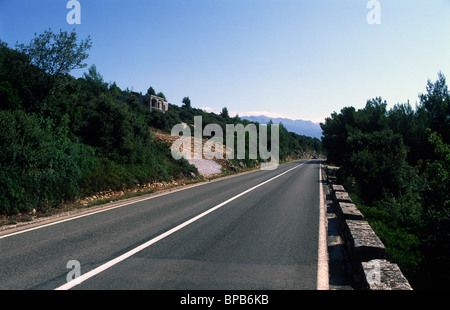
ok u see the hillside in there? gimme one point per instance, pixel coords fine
(63, 139)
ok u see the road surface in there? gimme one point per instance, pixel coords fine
(258, 230)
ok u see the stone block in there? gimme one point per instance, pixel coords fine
(341, 197)
(362, 242)
(380, 274)
(337, 188)
(348, 211)
(331, 179)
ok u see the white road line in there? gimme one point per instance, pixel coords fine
(67, 219)
(145, 245)
(322, 264)
(103, 209)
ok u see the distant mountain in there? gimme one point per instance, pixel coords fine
(300, 127)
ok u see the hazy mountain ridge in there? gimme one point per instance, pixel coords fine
(301, 127)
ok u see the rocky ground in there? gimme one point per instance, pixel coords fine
(206, 167)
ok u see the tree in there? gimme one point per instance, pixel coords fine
(151, 91)
(373, 116)
(9, 96)
(95, 81)
(376, 160)
(436, 213)
(335, 133)
(224, 113)
(57, 53)
(436, 104)
(161, 95)
(187, 103)
(19, 77)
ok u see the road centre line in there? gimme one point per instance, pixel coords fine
(145, 245)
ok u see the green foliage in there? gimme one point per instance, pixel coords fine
(9, 96)
(62, 138)
(23, 85)
(397, 162)
(151, 91)
(94, 81)
(57, 53)
(335, 133)
(186, 103)
(38, 169)
(224, 113)
(160, 94)
(437, 210)
(375, 161)
(436, 107)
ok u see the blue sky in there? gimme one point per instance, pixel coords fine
(294, 58)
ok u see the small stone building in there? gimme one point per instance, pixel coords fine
(156, 103)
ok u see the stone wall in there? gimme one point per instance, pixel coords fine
(370, 268)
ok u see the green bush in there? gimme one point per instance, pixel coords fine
(38, 169)
(398, 163)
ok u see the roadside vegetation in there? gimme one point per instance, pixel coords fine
(395, 164)
(63, 138)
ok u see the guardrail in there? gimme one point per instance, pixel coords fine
(370, 268)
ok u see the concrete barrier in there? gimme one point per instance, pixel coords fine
(348, 211)
(337, 188)
(371, 270)
(380, 274)
(362, 242)
(341, 197)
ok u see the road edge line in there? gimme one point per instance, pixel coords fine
(322, 264)
(145, 245)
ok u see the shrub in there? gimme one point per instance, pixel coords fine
(38, 169)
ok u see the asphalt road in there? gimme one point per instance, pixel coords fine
(258, 230)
